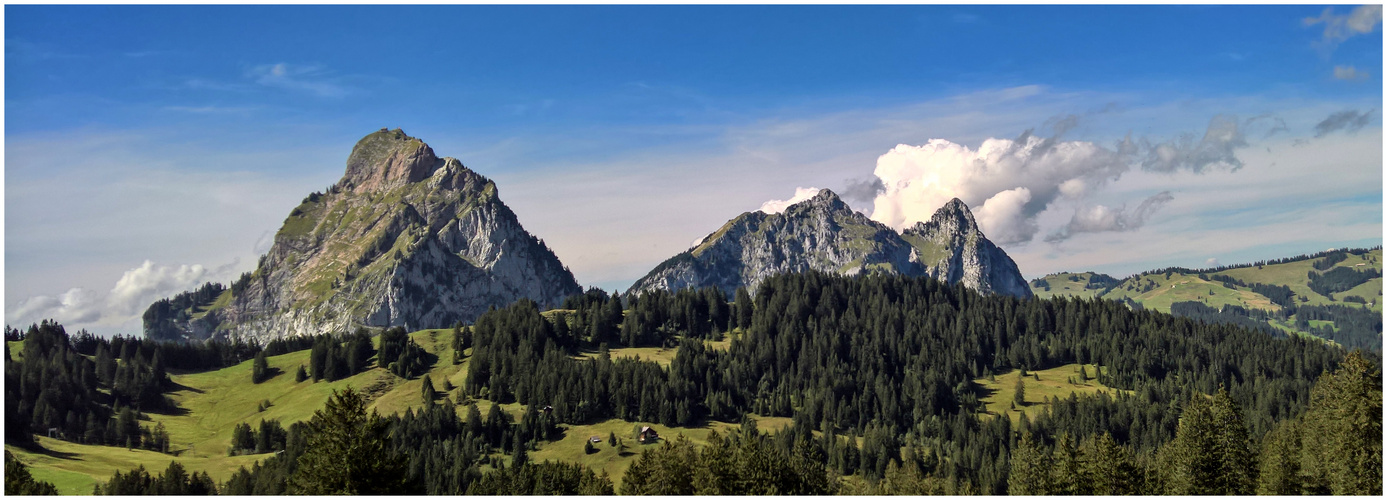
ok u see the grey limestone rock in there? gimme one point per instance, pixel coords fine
(824, 234)
(403, 239)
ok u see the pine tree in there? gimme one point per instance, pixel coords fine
(1237, 464)
(519, 457)
(260, 368)
(1109, 467)
(1019, 398)
(1030, 468)
(1280, 461)
(301, 375)
(744, 308)
(1342, 436)
(1209, 455)
(242, 438)
(427, 391)
(1066, 470)
(18, 481)
(160, 436)
(348, 452)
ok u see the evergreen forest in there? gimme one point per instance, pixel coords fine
(878, 377)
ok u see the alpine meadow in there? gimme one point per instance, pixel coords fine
(693, 250)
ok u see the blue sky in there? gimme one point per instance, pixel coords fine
(149, 148)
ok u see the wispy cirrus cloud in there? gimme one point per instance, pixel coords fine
(27, 51)
(212, 109)
(1099, 218)
(1340, 27)
(206, 84)
(1347, 120)
(1349, 73)
(311, 79)
(140, 54)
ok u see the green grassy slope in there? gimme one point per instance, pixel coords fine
(1157, 291)
(212, 403)
(1066, 284)
(1055, 383)
(615, 462)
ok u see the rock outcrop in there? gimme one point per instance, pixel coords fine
(824, 234)
(953, 249)
(403, 239)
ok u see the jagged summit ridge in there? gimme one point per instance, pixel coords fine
(388, 159)
(954, 249)
(824, 234)
(405, 238)
(954, 216)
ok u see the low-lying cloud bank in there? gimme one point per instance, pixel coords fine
(124, 303)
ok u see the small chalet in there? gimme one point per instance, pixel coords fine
(648, 435)
(595, 439)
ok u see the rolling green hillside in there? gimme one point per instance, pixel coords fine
(212, 403)
(1083, 285)
(1234, 286)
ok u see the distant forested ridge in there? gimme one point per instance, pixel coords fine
(1335, 295)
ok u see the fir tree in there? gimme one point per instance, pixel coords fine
(260, 368)
(18, 481)
(348, 452)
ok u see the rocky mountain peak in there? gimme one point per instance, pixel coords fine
(824, 234)
(405, 238)
(953, 217)
(388, 159)
(953, 248)
(826, 201)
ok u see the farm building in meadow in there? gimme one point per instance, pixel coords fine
(648, 435)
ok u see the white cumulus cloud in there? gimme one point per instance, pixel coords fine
(1007, 182)
(75, 305)
(141, 286)
(122, 306)
(1337, 28)
(777, 206)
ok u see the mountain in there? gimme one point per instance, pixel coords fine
(403, 239)
(824, 234)
(1335, 295)
(953, 249)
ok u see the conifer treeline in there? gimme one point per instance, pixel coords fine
(840, 353)
(886, 360)
(94, 390)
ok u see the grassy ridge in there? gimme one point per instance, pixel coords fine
(615, 462)
(212, 403)
(1157, 291)
(75, 468)
(1054, 383)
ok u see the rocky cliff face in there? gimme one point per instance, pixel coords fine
(953, 249)
(824, 234)
(403, 239)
